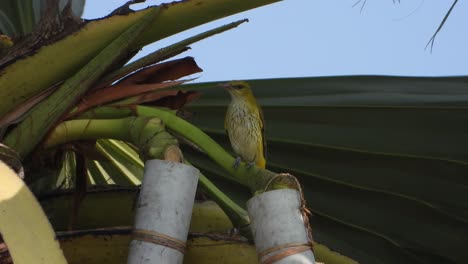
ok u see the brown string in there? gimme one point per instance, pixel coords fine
(159, 239)
(292, 249)
(279, 247)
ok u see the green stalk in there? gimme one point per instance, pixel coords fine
(255, 178)
(44, 115)
(90, 129)
(147, 133)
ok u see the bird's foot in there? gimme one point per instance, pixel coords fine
(237, 162)
(250, 164)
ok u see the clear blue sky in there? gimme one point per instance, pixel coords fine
(298, 38)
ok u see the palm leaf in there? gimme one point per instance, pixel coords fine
(383, 159)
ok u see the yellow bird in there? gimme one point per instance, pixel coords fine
(245, 125)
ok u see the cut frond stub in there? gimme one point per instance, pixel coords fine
(164, 211)
(278, 227)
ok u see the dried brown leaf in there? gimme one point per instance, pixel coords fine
(146, 80)
(166, 71)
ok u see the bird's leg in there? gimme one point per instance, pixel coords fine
(237, 162)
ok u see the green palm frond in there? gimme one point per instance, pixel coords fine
(383, 160)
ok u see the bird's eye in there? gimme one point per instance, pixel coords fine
(237, 86)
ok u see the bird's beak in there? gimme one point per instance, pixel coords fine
(226, 86)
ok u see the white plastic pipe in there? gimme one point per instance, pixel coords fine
(164, 206)
(276, 220)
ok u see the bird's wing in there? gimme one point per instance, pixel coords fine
(262, 123)
(226, 120)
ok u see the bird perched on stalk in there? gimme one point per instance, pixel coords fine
(245, 125)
